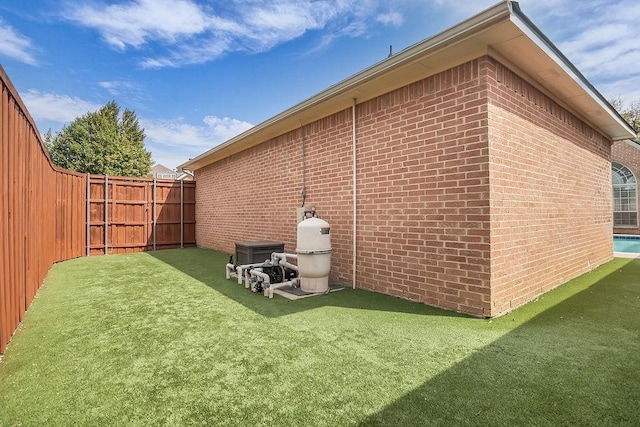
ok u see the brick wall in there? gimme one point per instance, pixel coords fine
(427, 163)
(629, 156)
(550, 192)
(423, 191)
(423, 223)
(254, 194)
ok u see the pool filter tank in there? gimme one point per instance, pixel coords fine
(314, 255)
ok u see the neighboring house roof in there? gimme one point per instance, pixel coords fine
(162, 172)
(501, 31)
(161, 169)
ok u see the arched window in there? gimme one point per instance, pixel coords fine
(625, 197)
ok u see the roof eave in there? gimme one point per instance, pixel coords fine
(503, 28)
(543, 42)
(499, 12)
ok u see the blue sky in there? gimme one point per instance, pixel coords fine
(199, 72)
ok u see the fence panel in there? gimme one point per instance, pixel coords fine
(40, 219)
(49, 214)
(140, 214)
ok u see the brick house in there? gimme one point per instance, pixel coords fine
(625, 165)
(470, 171)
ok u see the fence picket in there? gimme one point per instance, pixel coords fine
(43, 207)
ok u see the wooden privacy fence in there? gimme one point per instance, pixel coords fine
(139, 214)
(42, 211)
(49, 214)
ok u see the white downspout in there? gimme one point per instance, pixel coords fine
(353, 156)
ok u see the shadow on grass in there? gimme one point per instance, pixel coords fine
(576, 361)
(570, 358)
(207, 267)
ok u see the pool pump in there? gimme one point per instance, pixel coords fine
(307, 269)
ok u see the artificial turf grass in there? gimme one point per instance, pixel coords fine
(572, 363)
(162, 338)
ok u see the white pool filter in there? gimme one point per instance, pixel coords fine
(314, 255)
(307, 270)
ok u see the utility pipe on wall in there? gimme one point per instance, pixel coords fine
(303, 192)
(106, 214)
(155, 222)
(181, 213)
(88, 207)
(353, 156)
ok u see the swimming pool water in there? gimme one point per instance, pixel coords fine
(626, 244)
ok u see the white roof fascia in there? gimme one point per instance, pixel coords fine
(496, 13)
(506, 11)
(531, 31)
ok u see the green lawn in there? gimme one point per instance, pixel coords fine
(163, 339)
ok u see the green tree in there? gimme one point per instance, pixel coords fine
(630, 113)
(47, 138)
(102, 142)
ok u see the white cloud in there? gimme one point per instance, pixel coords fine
(16, 46)
(138, 22)
(390, 18)
(116, 87)
(198, 52)
(225, 128)
(126, 91)
(174, 33)
(626, 89)
(605, 46)
(173, 142)
(177, 133)
(56, 108)
(268, 24)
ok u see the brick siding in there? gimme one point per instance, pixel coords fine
(423, 191)
(629, 156)
(550, 193)
(446, 211)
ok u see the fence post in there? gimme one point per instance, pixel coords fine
(106, 214)
(155, 219)
(181, 214)
(88, 206)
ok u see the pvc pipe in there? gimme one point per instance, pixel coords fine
(182, 214)
(269, 291)
(283, 256)
(247, 272)
(155, 219)
(353, 154)
(281, 259)
(106, 214)
(228, 269)
(88, 215)
(246, 279)
(240, 268)
(239, 274)
(290, 266)
(265, 279)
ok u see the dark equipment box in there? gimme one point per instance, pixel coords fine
(256, 252)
